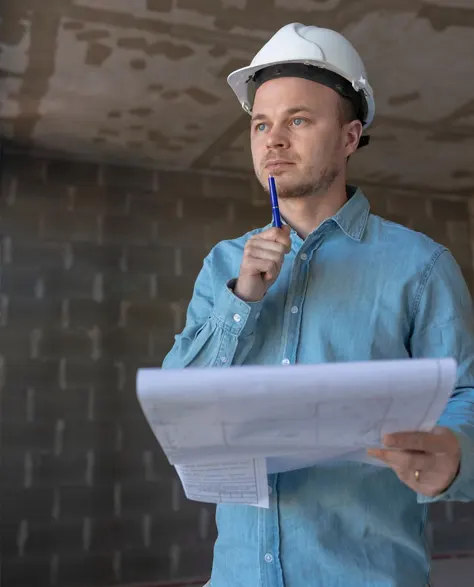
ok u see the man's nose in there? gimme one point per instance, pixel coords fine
(277, 138)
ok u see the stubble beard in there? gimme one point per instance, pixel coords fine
(307, 186)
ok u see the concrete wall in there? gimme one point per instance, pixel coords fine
(98, 265)
(453, 573)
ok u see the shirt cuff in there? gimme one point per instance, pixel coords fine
(465, 475)
(235, 315)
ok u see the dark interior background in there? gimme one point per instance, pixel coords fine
(124, 159)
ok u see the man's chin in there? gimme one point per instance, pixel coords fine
(291, 188)
(287, 184)
(285, 178)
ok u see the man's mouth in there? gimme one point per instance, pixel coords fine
(277, 163)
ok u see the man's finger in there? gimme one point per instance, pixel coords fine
(265, 245)
(280, 235)
(430, 442)
(401, 460)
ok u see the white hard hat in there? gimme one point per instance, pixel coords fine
(321, 50)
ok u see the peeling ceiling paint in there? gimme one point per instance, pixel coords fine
(144, 81)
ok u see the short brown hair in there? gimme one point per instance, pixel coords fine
(347, 111)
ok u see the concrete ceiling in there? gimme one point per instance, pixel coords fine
(144, 81)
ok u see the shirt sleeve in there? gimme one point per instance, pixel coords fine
(219, 329)
(444, 327)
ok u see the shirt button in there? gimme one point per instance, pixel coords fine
(223, 359)
(268, 558)
(269, 490)
(303, 256)
(257, 315)
(294, 310)
(285, 362)
(237, 318)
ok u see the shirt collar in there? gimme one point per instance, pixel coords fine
(352, 217)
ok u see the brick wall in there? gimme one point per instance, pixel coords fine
(97, 266)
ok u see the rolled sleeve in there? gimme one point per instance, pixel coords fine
(233, 314)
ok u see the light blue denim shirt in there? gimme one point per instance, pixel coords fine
(357, 288)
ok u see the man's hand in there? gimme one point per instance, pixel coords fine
(262, 263)
(428, 462)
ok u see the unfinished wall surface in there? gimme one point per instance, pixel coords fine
(97, 266)
(145, 80)
(98, 262)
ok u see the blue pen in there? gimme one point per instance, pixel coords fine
(274, 198)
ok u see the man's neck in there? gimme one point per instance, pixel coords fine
(305, 214)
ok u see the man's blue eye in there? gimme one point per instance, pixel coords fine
(261, 126)
(298, 121)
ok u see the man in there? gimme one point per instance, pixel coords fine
(336, 283)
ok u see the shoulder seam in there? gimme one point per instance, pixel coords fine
(403, 227)
(424, 279)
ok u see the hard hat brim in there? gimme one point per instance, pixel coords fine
(239, 80)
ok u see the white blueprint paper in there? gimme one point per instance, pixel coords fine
(292, 416)
(239, 482)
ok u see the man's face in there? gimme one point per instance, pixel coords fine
(297, 136)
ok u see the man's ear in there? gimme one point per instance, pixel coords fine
(353, 133)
